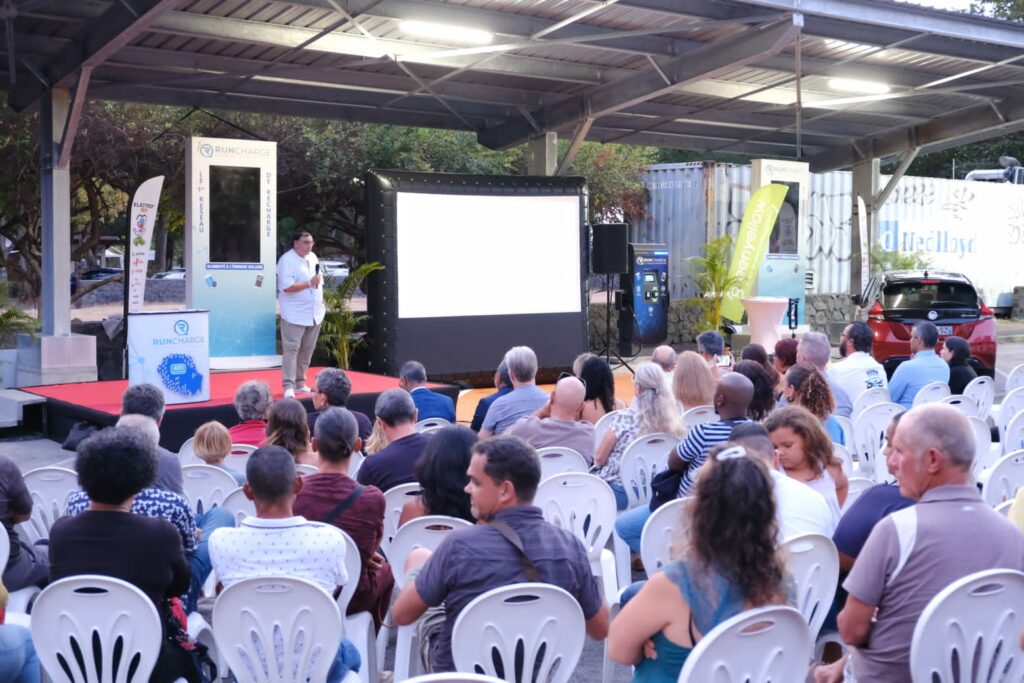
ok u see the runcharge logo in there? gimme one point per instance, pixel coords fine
(181, 327)
(206, 149)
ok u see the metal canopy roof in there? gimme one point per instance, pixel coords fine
(740, 76)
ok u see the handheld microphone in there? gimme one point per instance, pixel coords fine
(318, 269)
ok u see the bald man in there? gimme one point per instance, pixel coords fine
(665, 358)
(558, 423)
(912, 554)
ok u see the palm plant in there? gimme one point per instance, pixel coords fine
(12, 319)
(337, 333)
(711, 276)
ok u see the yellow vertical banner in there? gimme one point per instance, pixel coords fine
(751, 245)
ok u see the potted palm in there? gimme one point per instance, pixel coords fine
(711, 276)
(12, 322)
(338, 331)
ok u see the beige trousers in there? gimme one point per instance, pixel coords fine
(297, 344)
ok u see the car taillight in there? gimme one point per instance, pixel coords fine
(986, 312)
(876, 312)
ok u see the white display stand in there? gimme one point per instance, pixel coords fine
(171, 350)
(764, 314)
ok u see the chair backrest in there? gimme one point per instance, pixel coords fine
(355, 462)
(560, 459)
(869, 397)
(1013, 403)
(206, 486)
(857, 486)
(1005, 477)
(50, 488)
(965, 404)
(582, 504)
(813, 561)
(534, 628)
(981, 390)
(453, 677)
(237, 504)
(1004, 508)
(970, 631)
(111, 621)
(699, 414)
(869, 435)
(1015, 380)
(354, 569)
(983, 456)
(642, 459)
(602, 424)
(395, 499)
(277, 617)
(238, 458)
(843, 453)
(1013, 437)
(187, 454)
(422, 532)
(763, 644)
(846, 424)
(666, 525)
(431, 423)
(304, 470)
(931, 393)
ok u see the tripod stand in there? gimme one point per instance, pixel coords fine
(608, 352)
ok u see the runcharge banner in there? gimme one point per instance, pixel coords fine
(143, 217)
(752, 245)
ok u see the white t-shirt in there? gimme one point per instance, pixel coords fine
(306, 306)
(291, 547)
(801, 509)
(857, 373)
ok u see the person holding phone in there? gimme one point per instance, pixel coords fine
(301, 298)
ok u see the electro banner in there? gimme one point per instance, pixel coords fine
(751, 246)
(140, 229)
(170, 349)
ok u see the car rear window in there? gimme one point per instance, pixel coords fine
(905, 295)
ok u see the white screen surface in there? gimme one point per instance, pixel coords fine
(462, 255)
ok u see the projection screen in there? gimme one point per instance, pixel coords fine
(474, 265)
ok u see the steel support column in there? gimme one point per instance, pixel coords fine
(542, 155)
(55, 196)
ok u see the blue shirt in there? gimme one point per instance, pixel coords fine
(912, 375)
(485, 404)
(430, 404)
(870, 508)
(507, 410)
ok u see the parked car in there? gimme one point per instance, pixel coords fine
(99, 274)
(334, 272)
(172, 274)
(896, 301)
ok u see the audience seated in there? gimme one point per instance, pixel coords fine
(805, 453)
(858, 371)
(956, 351)
(503, 384)
(252, 403)
(524, 398)
(301, 549)
(27, 565)
(288, 428)
(393, 464)
(664, 357)
(710, 346)
(148, 400)
(692, 382)
(732, 400)
(916, 552)
(731, 563)
(115, 467)
(151, 501)
(211, 444)
(332, 388)
(805, 386)
(597, 377)
(413, 378)
(815, 349)
(331, 496)
(764, 388)
(925, 366)
(557, 423)
(653, 411)
(503, 476)
(783, 359)
(758, 354)
(441, 474)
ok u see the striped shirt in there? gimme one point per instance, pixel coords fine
(693, 450)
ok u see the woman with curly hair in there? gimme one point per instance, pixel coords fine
(764, 388)
(805, 386)
(596, 375)
(441, 472)
(728, 562)
(804, 451)
(288, 428)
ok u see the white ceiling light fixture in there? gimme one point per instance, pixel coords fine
(860, 87)
(445, 32)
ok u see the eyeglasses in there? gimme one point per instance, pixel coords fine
(569, 374)
(731, 453)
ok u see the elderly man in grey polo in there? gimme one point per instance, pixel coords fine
(525, 397)
(815, 349)
(914, 553)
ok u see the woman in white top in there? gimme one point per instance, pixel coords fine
(804, 451)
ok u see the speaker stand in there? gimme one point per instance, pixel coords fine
(608, 352)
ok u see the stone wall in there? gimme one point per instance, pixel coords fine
(157, 291)
(823, 309)
(1017, 312)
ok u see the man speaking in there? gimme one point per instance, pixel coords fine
(302, 310)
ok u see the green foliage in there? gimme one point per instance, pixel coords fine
(711, 276)
(614, 176)
(337, 333)
(12, 319)
(883, 261)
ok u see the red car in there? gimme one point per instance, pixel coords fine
(896, 301)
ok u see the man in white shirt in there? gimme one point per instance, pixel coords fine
(859, 371)
(301, 299)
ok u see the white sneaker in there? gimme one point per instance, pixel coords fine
(289, 393)
(303, 390)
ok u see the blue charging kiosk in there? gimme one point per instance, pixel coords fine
(645, 296)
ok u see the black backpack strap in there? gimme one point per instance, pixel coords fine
(344, 505)
(510, 534)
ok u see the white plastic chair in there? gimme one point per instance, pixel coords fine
(111, 622)
(984, 454)
(981, 390)
(970, 631)
(431, 423)
(559, 460)
(814, 563)
(931, 393)
(187, 454)
(663, 528)
(206, 486)
(583, 505)
(1013, 438)
(602, 425)
(1015, 380)
(964, 404)
(355, 462)
(846, 424)
(869, 436)
(1002, 480)
(843, 453)
(237, 504)
(1004, 508)
(698, 415)
(304, 470)
(454, 677)
(534, 628)
(251, 616)
(395, 499)
(857, 486)
(238, 458)
(358, 627)
(644, 457)
(50, 488)
(1012, 405)
(763, 644)
(867, 398)
(19, 600)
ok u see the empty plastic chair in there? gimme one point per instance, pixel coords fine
(50, 488)
(206, 486)
(664, 528)
(1004, 478)
(1013, 404)
(869, 436)
(970, 631)
(984, 454)
(814, 563)
(964, 404)
(431, 423)
(931, 393)
(395, 499)
(698, 415)
(559, 460)
(1013, 437)
(237, 504)
(981, 390)
(869, 397)
(1015, 380)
